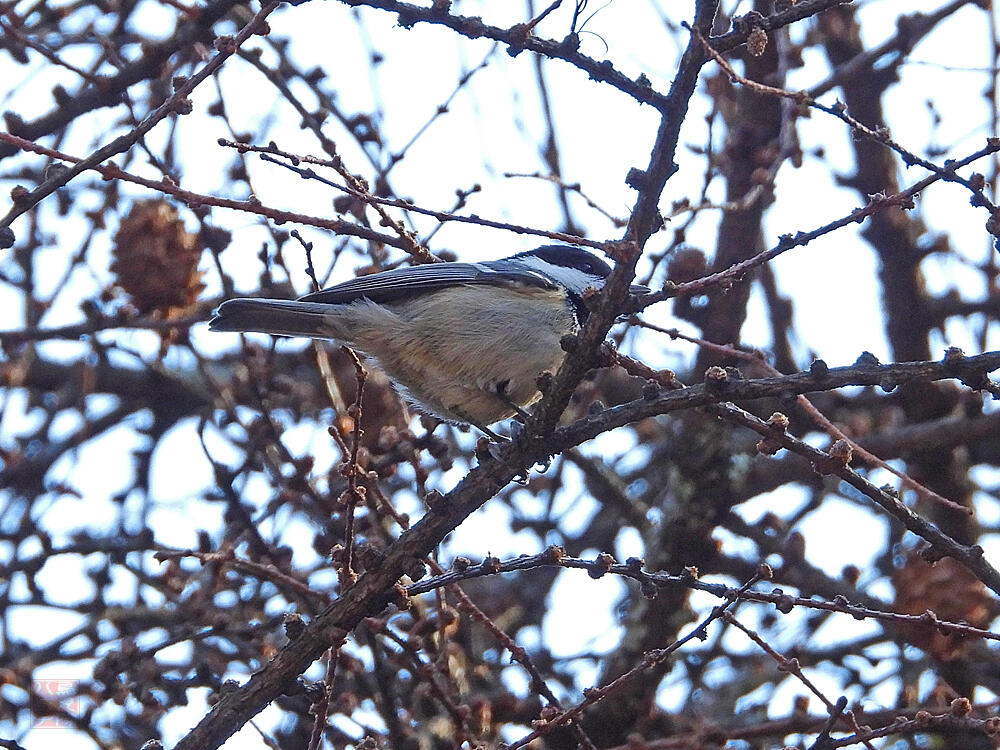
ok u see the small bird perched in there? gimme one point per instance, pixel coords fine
(464, 342)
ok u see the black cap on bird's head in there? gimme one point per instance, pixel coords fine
(573, 267)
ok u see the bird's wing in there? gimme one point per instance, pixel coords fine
(390, 286)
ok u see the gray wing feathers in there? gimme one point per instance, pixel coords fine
(280, 317)
(314, 315)
(400, 283)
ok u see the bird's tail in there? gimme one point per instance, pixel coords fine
(281, 317)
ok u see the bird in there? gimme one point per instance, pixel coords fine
(463, 342)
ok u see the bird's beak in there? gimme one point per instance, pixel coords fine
(638, 290)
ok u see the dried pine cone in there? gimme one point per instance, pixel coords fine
(948, 590)
(156, 259)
